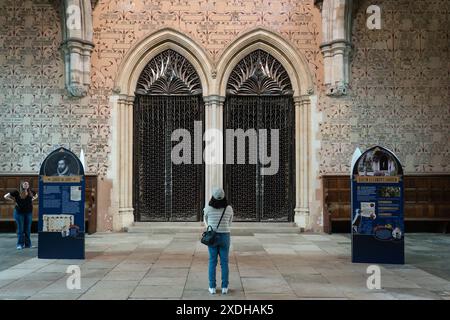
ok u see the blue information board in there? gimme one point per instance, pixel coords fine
(377, 223)
(61, 206)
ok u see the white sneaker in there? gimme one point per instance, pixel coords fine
(212, 290)
(224, 290)
(19, 248)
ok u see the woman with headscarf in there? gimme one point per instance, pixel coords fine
(217, 206)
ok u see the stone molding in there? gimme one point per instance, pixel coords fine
(77, 46)
(214, 78)
(270, 42)
(336, 46)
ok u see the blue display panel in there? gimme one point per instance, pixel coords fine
(61, 206)
(377, 208)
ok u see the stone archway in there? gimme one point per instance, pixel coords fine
(122, 103)
(168, 98)
(213, 78)
(302, 85)
(259, 105)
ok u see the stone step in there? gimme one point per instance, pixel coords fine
(238, 228)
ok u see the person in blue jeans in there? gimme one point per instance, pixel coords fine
(23, 213)
(217, 206)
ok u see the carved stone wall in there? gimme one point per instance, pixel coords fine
(398, 96)
(36, 114)
(212, 24)
(400, 89)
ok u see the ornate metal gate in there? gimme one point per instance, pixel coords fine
(167, 98)
(259, 96)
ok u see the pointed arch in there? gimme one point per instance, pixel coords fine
(267, 41)
(149, 47)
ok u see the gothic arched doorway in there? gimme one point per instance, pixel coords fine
(168, 97)
(259, 96)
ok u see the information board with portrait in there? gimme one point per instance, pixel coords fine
(61, 206)
(377, 223)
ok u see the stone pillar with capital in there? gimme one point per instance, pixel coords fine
(125, 216)
(214, 141)
(302, 135)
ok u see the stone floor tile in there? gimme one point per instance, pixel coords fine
(167, 272)
(125, 275)
(55, 296)
(413, 294)
(14, 273)
(265, 285)
(143, 291)
(60, 286)
(317, 290)
(264, 266)
(163, 281)
(45, 276)
(24, 287)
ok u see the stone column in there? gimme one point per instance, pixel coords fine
(302, 147)
(214, 120)
(125, 217)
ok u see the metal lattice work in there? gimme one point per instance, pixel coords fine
(257, 197)
(165, 191)
(167, 99)
(259, 74)
(260, 97)
(169, 73)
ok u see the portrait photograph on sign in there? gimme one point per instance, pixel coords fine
(61, 164)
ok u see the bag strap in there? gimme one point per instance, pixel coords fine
(221, 217)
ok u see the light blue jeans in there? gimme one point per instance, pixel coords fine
(222, 249)
(23, 221)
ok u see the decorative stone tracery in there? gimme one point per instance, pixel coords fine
(259, 73)
(169, 73)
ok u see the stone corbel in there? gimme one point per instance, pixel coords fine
(336, 46)
(77, 45)
(77, 59)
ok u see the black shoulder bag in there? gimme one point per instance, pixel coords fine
(209, 236)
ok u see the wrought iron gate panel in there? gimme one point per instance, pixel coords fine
(257, 197)
(259, 96)
(277, 190)
(165, 191)
(187, 179)
(242, 179)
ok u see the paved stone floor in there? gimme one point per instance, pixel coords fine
(263, 266)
